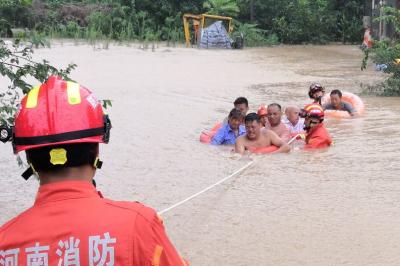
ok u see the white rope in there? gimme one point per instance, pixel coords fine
(216, 184)
(293, 139)
(206, 189)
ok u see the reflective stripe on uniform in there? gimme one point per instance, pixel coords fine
(31, 101)
(74, 96)
(157, 255)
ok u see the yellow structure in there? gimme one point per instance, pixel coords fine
(203, 21)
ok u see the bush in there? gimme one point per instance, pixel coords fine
(386, 52)
(254, 36)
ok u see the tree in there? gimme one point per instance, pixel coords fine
(386, 53)
(222, 7)
(17, 66)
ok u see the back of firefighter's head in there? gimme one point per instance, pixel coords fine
(313, 114)
(60, 125)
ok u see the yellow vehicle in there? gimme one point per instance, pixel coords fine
(200, 22)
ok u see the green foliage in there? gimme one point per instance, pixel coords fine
(349, 22)
(17, 66)
(386, 52)
(222, 7)
(292, 21)
(391, 15)
(305, 21)
(38, 39)
(254, 36)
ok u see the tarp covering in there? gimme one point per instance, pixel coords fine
(215, 36)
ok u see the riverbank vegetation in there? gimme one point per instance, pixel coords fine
(261, 22)
(385, 54)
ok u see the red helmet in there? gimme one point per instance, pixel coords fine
(262, 110)
(314, 87)
(59, 112)
(313, 111)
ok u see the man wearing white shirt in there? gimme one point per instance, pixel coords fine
(294, 123)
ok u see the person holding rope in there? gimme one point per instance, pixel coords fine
(317, 135)
(60, 125)
(255, 137)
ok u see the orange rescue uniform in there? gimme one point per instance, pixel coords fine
(318, 137)
(71, 224)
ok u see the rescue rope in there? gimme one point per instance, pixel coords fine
(207, 188)
(216, 184)
(293, 139)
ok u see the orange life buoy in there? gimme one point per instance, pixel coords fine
(206, 136)
(262, 150)
(348, 97)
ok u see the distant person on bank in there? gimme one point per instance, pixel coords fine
(230, 131)
(338, 104)
(293, 122)
(257, 138)
(274, 115)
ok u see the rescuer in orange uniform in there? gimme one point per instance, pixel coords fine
(316, 134)
(316, 92)
(60, 125)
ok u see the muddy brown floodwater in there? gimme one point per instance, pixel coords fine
(335, 207)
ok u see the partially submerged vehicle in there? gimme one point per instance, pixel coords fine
(210, 31)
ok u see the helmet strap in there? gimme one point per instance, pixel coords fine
(97, 163)
(29, 172)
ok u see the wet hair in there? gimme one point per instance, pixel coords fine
(241, 100)
(235, 113)
(252, 117)
(77, 155)
(337, 92)
(275, 104)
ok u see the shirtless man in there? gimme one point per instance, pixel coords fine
(274, 115)
(255, 137)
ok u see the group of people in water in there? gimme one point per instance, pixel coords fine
(256, 131)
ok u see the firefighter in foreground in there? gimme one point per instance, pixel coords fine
(60, 125)
(316, 134)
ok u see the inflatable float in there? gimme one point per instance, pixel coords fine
(347, 97)
(263, 150)
(207, 135)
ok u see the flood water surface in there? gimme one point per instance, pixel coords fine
(333, 207)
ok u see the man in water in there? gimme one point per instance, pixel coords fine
(316, 92)
(293, 122)
(242, 104)
(338, 104)
(316, 134)
(228, 133)
(262, 113)
(257, 138)
(70, 222)
(274, 115)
